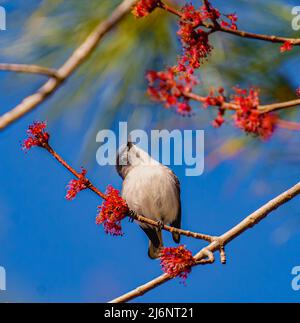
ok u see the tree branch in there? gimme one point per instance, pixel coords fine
(67, 69)
(278, 106)
(262, 108)
(268, 38)
(168, 228)
(31, 69)
(240, 33)
(224, 239)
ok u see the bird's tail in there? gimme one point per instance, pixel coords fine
(155, 246)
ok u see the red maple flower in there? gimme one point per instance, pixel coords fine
(144, 7)
(177, 261)
(209, 12)
(231, 23)
(171, 87)
(287, 46)
(77, 185)
(216, 100)
(298, 91)
(195, 42)
(37, 136)
(219, 120)
(248, 118)
(112, 211)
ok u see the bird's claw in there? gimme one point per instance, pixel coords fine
(160, 225)
(132, 216)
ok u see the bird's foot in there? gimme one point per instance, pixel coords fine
(132, 215)
(160, 225)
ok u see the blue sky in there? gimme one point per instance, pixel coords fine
(53, 251)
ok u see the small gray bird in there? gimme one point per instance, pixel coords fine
(152, 190)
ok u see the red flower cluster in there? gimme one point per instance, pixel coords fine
(195, 42)
(231, 23)
(37, 136)
(287, 46)
(77, 185)
(177, 261)
(217, 100)
(172, 85)
(170, 88)
(298, 91)
(144, 7)
(219, 120)
(112, 211)
(248, 118)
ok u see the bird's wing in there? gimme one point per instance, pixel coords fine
(177, 222)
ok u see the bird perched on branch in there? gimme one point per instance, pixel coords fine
(151, 190)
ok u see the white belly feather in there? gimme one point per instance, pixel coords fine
(151, 191)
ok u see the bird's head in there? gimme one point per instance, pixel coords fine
(130, 156)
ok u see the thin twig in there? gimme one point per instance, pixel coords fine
(269, 38)
(73, 171)
(278, 106)
(170, 9)
(223, 240)
(209, 260)
(168, 228)
(67, 69)
(231, 106)
(31, 69)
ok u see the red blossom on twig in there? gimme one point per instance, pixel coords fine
(248, 118)
(287, 46)
(232, 21)
(246, 113)
(219, 120)
(77, 185)
(37, 136)
(216, 100)
(169, 88)
(195, 42)
(144, 7)
(177, 261)
(112, 211)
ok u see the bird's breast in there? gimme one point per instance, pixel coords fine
(151, 191)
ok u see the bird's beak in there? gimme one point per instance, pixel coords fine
(129, 144)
